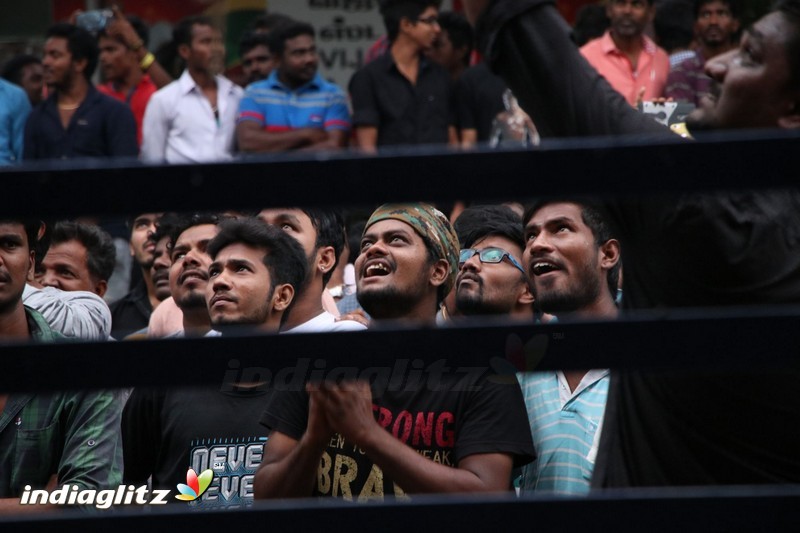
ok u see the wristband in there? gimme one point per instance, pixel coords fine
(147, 60)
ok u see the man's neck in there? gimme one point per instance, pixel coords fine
(151, 288)
(203, 78)
(405, 53)
(196, 322)
(603, 308)
(74, 93)
(130, 81)
(287, 82)
(14, 324)
(421, 314)
(630, 46)
(307, 306)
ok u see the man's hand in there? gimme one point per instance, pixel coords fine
(348, 409)
(318, 431)
(120, 27)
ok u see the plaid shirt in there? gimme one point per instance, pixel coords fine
(75, 435)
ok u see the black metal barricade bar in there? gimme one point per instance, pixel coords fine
(627, 166)
(735, 340)
(687, 510)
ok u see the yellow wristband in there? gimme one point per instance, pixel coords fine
(147, 60)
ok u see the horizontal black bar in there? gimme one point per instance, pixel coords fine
(600, 166)
(729, 340)
(686, 510)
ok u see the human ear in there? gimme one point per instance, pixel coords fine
(282, 297)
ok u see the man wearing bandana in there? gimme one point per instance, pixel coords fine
(431, 431)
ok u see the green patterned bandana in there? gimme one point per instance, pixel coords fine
(431, 225)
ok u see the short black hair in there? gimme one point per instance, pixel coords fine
(80, 43)
(252, 39)
(331, 231)
(459, 31)
(279, 35)
(481, 221)
(594, 217)
(674, 25)
(165, 227)
(186, 221)
(31, 230)
(182, 32)
(141, 29)
(733, 5)
(393, 11)
(590, 22)
(12, 70)
(284, 256)
(101, 254)
(267, 23)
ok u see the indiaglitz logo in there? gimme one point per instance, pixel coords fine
(195, 485)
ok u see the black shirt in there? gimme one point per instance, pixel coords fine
(479, 98)
(131, 312)
(403, 113)
(100, 127)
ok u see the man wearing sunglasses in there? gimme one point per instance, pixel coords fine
(574, 264)
(491, 279)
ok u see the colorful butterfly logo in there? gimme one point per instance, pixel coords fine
(195, 485)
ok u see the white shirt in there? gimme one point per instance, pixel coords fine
(78, 314)
(325, 321)
(179, 124)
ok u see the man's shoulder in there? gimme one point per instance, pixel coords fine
(39, 328)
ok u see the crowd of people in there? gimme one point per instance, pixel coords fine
(301, 270)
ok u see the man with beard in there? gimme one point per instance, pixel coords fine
(625, 56)
(320, 231)
(294, 108)
(716, 29)
(188, 274)
(257, 59)
(76, 120)
(742, 245)
(192, 119)
(574, 266)
(255, 271)
(407, 264)
(131, 312)
(491, 279)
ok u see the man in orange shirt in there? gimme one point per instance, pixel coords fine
(629, 60)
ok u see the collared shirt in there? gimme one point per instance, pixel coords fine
(136, 98)
(14, 110)
(276, 107)
(651, 71)
(75, 435)
(100, 127)
(403, 113)
(78, 314)
(180, 125)
(564, 426)
(688, 82)
(131, 312)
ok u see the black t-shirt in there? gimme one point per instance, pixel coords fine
(403, 113)
(167, 432)
(130, 313)
(460, 416)
(479, 99)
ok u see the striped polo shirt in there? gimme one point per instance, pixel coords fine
(564, 426)
(276, 107)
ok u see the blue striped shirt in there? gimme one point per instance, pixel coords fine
(564, 425)
(274, 106)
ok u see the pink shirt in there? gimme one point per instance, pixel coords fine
(651, 69)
